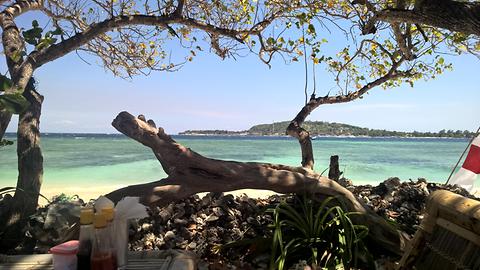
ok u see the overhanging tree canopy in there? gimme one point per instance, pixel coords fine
(133, 37)
(130, 37)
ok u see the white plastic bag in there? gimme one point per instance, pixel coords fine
(127, 208)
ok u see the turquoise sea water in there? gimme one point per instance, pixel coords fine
(86, 161)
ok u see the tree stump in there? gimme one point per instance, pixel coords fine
(334, 172)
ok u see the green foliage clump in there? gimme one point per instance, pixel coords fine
(34, 36)
(5, 143)
(64, 198)
(12, 102)
(304, 231)
(322, 235)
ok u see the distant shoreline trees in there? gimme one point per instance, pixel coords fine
(320, 128)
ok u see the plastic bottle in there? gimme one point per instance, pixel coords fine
(102, 257)
(109, 213)
(85, 239)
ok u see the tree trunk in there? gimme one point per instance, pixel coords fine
(457, 16)
(190, 173)
(30, 173)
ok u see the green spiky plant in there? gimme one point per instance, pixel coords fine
(324, 235)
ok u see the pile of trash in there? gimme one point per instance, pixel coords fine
(52, 224)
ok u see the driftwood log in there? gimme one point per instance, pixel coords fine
(190, 173)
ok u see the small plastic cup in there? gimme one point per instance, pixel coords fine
(65, 255)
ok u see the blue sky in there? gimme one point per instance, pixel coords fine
(209, 93)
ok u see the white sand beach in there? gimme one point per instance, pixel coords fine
(94, 192)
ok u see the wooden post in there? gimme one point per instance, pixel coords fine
(334, 172)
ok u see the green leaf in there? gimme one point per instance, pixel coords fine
(5, 83)
(311, 29)
(14, 103)
(32, 36)
(17, 56)
(45, 43)
(57, 31)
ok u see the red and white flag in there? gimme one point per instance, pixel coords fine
(465, 177)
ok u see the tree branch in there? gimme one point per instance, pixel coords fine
(460, 17)
(294, 129)
(179, 10)
(12, 46)
(20, 7)
(366, 3)
(12, 40)
(60, 49)
(402, 41)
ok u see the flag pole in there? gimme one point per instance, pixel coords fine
(464, 151)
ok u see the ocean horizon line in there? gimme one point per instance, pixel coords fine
(79, 135)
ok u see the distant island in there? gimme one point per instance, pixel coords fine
(320, 128)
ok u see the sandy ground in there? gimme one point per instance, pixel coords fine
(92, 193)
